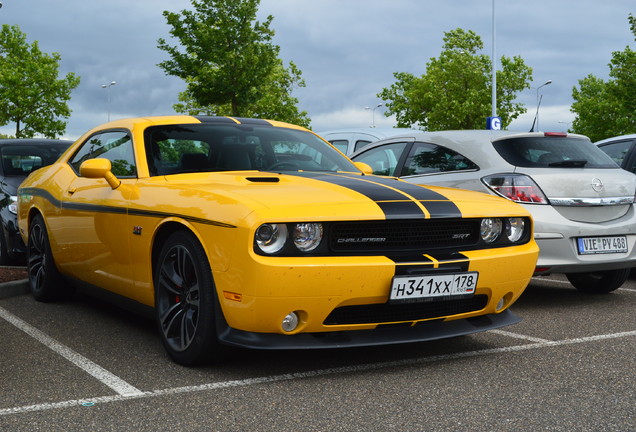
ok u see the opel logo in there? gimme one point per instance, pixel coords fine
(597, 184)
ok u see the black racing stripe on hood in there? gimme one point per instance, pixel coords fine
(391, 195)
(420, 193)
(373, 191)
(400, 210)
(442, 209)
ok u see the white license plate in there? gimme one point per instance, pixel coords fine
(601, 245)
(429, 286)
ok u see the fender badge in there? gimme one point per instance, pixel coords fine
(597, 184)
(137, 230)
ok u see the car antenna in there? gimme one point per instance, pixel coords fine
(534, 122)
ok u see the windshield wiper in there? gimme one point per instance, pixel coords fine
(570, 163)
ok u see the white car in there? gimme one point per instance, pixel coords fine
(350, 140)
(622, 149)
(581, 201)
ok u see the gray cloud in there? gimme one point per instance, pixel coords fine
(348, 50)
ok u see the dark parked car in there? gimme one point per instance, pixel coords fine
(19, 158)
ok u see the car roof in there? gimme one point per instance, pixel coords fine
(378, 133)
(33, 141)
(616, 138)
(461, 136)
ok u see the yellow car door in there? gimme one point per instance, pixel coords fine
(93, 236)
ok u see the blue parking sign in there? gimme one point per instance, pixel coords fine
(493, 123)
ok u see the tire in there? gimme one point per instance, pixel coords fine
(4, 250)
(600, 282)
(45, 281)
(185, 302)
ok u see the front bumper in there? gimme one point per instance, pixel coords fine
(383, 335)
(345, 295)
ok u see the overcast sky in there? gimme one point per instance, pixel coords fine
(347, 50)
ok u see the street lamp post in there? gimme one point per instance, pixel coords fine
(538, 101)
(373, 113)
(494, 66)
(107, 87)
(567, 125)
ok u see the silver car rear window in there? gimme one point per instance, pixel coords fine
(552, 152)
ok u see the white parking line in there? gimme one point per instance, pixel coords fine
(308, 374)
(518, 336)
(107, 378)
(546, 279)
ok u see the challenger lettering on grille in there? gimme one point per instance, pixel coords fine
(362, 240)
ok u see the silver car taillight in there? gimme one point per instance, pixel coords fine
(516, 187)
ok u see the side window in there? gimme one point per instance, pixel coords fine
(114, 146)
(383, 159)
(618, 150)
(430, 158)
(359, 144)
(171, 156)
(342, 145)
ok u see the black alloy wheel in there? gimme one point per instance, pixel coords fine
(185, 301)
(4, 250)
(44, 279)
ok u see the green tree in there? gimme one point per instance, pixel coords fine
(456, 90)
(31, 95)
(277, 103)
(229, 62)
(607, 108)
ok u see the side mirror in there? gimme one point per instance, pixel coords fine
(99, 168)
(366, 169)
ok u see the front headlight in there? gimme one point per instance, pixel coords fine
(271, 238)
(13, 205)
(307, 236)
(490, 229)
(515, 228)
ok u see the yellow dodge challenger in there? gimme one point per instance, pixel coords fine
(255, 233)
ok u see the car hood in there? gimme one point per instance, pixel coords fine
(343, 196)
(10, 184)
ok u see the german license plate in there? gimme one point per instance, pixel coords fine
(430, 286)
(601, 245)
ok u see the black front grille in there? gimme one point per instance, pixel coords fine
(396, 312)
(403, 236)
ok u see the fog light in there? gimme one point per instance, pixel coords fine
(500, 305)
(290, 322)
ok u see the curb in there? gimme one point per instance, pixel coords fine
(14, 288)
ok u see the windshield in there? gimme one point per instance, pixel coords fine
(173, 149)
(552, 152)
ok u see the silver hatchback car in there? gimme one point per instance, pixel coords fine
(581, 201)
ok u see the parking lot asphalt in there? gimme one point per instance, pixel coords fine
(570, 365)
